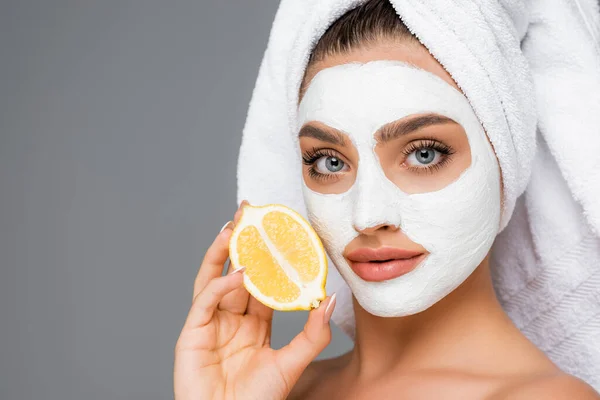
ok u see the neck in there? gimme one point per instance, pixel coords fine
(454, 333)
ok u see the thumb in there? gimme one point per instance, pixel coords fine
(295, 357)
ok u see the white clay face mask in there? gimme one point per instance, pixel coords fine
(456, 224)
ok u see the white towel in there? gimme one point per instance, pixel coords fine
(522, 64)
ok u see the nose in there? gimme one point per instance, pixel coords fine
(375, 199)
(374, 210)
(370, 230)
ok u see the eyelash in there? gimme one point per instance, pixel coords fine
(428, 143)
(311, 156)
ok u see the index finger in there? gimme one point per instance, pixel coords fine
(214, 259)
(238, 213)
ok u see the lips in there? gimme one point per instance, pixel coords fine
(383, 263)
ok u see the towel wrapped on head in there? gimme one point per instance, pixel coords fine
(531, 72)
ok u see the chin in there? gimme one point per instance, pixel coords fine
(380, 304)
(408, 294)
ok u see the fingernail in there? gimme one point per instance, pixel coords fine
(240, 269)
(329, 309)
(225, 226)
(244, 203)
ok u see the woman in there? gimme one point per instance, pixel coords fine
(408, 193)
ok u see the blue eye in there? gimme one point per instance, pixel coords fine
(324, 164)
(329, 165)
(424, 156)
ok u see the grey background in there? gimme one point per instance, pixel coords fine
(120, 123)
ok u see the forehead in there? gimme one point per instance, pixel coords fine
(411, 52)
(365, 96)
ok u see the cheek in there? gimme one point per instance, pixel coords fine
(462, 218)
(331, 217)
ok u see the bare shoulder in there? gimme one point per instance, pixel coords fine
(556, 386)
(315, 374)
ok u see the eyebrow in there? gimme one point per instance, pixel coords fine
(329, 136)
(394, 130)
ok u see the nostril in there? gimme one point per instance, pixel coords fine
(370, 230)
(392, 227)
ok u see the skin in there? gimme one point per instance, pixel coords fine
(394, 155)
(224, 348)
(463, 347)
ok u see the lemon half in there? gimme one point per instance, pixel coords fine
(286, 264)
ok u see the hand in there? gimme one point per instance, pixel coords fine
(224, 352)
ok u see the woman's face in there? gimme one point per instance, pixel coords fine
(400, 180)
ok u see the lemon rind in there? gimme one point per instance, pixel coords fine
(313, 292)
